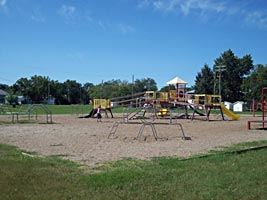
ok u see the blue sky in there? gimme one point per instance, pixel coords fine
(101, 40)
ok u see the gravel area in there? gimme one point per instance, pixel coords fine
(86, 141)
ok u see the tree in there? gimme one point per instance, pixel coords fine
(167, 88)
(110, 89)
(204, 81)
(253, 84)
(147, 84)
(235, 71)
(39, 91)
(56, 90)
(125, 88)
(12, 99)
(22, 87)
(87, 87)
(72, 92)
(4, 87)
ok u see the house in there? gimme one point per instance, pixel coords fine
(238, 106)
(21, 99)
(228, 105)
(2, 96)
(51, 101)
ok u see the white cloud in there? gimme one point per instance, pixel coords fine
(67, 11)
(159, 5)
(124, 28)
(210, 9)
(184, 6)
(108, 26)
(37, 16)
(114, 27)
(3, 6)
(257, 18)
(3, 3)
(102, 25)
(143, 3)
(202, 6)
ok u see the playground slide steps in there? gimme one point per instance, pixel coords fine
(134, 114)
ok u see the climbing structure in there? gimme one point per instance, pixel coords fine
(263, 110)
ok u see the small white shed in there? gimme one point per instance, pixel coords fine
(51, 101)
(228, 105)
(238, 106)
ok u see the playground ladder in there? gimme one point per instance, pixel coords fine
(26, 111)
(143, 127)
(46, 111)
(113, 129)
(15, 112)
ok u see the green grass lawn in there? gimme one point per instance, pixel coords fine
(218, 175)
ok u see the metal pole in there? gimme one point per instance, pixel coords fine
(220, 69)
(132, 85)
(220, 75)
(214, 84)
(263, 105)
(133, 88)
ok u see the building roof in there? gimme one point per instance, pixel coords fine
(3, 93)
(176, 81)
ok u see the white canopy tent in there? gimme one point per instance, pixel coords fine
(176, 81)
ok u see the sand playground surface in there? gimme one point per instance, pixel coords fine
(84, 140)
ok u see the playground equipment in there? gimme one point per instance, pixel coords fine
(229, 113)
(132, 100)
(149, 108)
(137, 113)
(154, 104)
(179, 93)
(143, 124)
(201, 104)
(132, 114)
(105, 106)
(209, 102)
(26, 111)
(263, 110)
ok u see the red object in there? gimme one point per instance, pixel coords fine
(263, 102)
(263, 109)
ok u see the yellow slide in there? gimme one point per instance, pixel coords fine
(229, 113)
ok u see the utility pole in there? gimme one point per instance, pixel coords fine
(132, 85)
(132, 90)
(102, 91)
(220, 69)
(81, 95)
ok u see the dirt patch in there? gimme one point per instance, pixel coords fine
(86, 141)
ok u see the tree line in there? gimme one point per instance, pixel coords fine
(38, 89)
(236, 79)
(232, 77)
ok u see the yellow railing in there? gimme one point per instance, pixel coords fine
(173, 94)
(104, 103)
(156, 96)
(207, 99)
